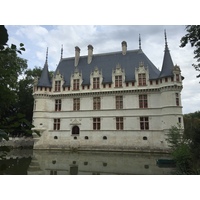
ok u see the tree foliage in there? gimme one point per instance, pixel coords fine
(193, 37)
(16, 87)
(186, 146)
(11, 68)
(4, 37)
(175, 136)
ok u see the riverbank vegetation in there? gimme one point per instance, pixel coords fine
(185, 144)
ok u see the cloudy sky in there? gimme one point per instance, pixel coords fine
(108, 38)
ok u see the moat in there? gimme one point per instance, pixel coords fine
(41, 162)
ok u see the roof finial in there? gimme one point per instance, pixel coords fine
(166, 46)
(139, 42)
(61, 53)
(47, 55)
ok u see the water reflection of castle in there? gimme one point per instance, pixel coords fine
(98, 163)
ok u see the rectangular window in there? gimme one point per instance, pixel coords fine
(95, 83)
(58, 105)
(179, 120)
(144, 123)
(166, 79)
(56, 125)
(76, 104)
(96, 103)
(177, 99)
(57, 86)
(118, 81)
(119, 123)
(142, 79)
(119, 102)
(143, 101)
(177, 78)
(96, 123)
(34, 105)
(76, 84)
(156, 82)
(172, 79)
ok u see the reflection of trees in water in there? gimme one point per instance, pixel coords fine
(15, 161)
(14, 166)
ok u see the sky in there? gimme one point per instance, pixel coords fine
(108, 38)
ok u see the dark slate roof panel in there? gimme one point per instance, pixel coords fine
(106, 63)
(45, 80)
(167, 67)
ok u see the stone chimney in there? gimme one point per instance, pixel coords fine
(90, 53)
(77, 56)
(124, 47)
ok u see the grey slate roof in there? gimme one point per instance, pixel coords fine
(45, 79)
(106, 63)
(167, 66)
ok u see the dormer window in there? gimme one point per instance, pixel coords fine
(142, 79)
(96, 83)
(118, 76)
(57, 86)
(76, 84)
(96, 78)
(118, 81)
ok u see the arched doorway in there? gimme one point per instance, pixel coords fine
(75, 130)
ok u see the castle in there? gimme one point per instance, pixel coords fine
(116, 101)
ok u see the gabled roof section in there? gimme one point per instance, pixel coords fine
(106, 63)
(167, 66)
(45, 80)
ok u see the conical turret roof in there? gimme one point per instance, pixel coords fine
(167, 66)
(45, 80)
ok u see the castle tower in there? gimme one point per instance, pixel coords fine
(171, 80)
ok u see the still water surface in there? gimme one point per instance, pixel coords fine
(32, 162)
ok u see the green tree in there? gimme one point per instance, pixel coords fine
(185, 147)
(193, 37)
(4, 37)
(180, 149)
(25, 92)
(11, 68)
(175, 136)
